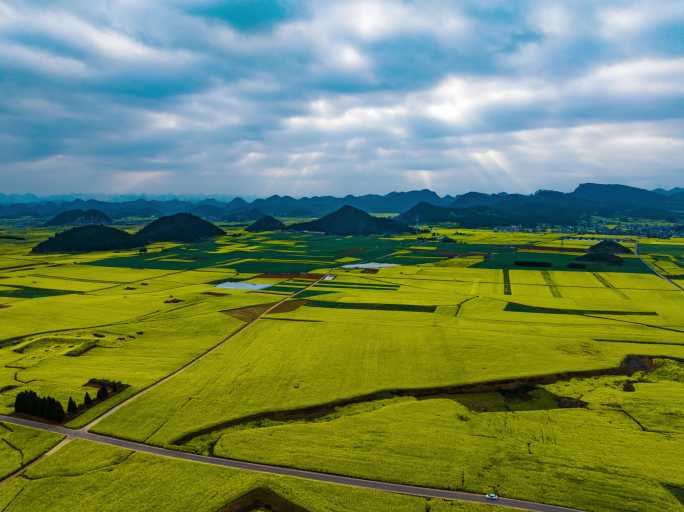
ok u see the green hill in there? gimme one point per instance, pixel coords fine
(266, 223)
(352, 221)
(609, 247)
(181, 227)
(427, 213)
(601, 257)
(88, 239)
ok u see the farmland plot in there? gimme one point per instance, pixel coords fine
(393, 373)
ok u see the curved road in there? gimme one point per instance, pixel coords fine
(412, 490)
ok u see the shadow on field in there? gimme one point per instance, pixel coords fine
(262, 499)
(677, 492)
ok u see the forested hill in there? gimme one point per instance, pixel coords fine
(352, 221)
(181, 227)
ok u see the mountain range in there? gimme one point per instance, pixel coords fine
(78, 218)
(471, 209)
(549, 207)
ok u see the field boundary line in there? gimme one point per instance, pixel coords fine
(25, 467)
(662, 276)
(607, 284)
(194, 360)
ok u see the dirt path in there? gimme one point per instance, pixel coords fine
(67, 439)
(195, 360)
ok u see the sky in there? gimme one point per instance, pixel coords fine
(261, 97)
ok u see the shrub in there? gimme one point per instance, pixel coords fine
(72, 408)
(102, 393)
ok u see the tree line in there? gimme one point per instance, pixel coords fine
(30, 403)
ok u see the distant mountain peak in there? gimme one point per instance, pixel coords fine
(349, 220)
(78, 217)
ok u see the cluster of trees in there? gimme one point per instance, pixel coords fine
(104, 390)
(29, 402)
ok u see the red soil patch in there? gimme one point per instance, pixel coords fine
(352, 251)
(248, 314)
(288, 306)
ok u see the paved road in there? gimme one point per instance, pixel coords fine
(412, 490)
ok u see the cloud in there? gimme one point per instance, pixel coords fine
(632, 19)
(83, 36)
(312, 97)
(644, 77)
(22, 57)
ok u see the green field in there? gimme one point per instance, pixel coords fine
(455, 368)
(20, 445)
(112, 479)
